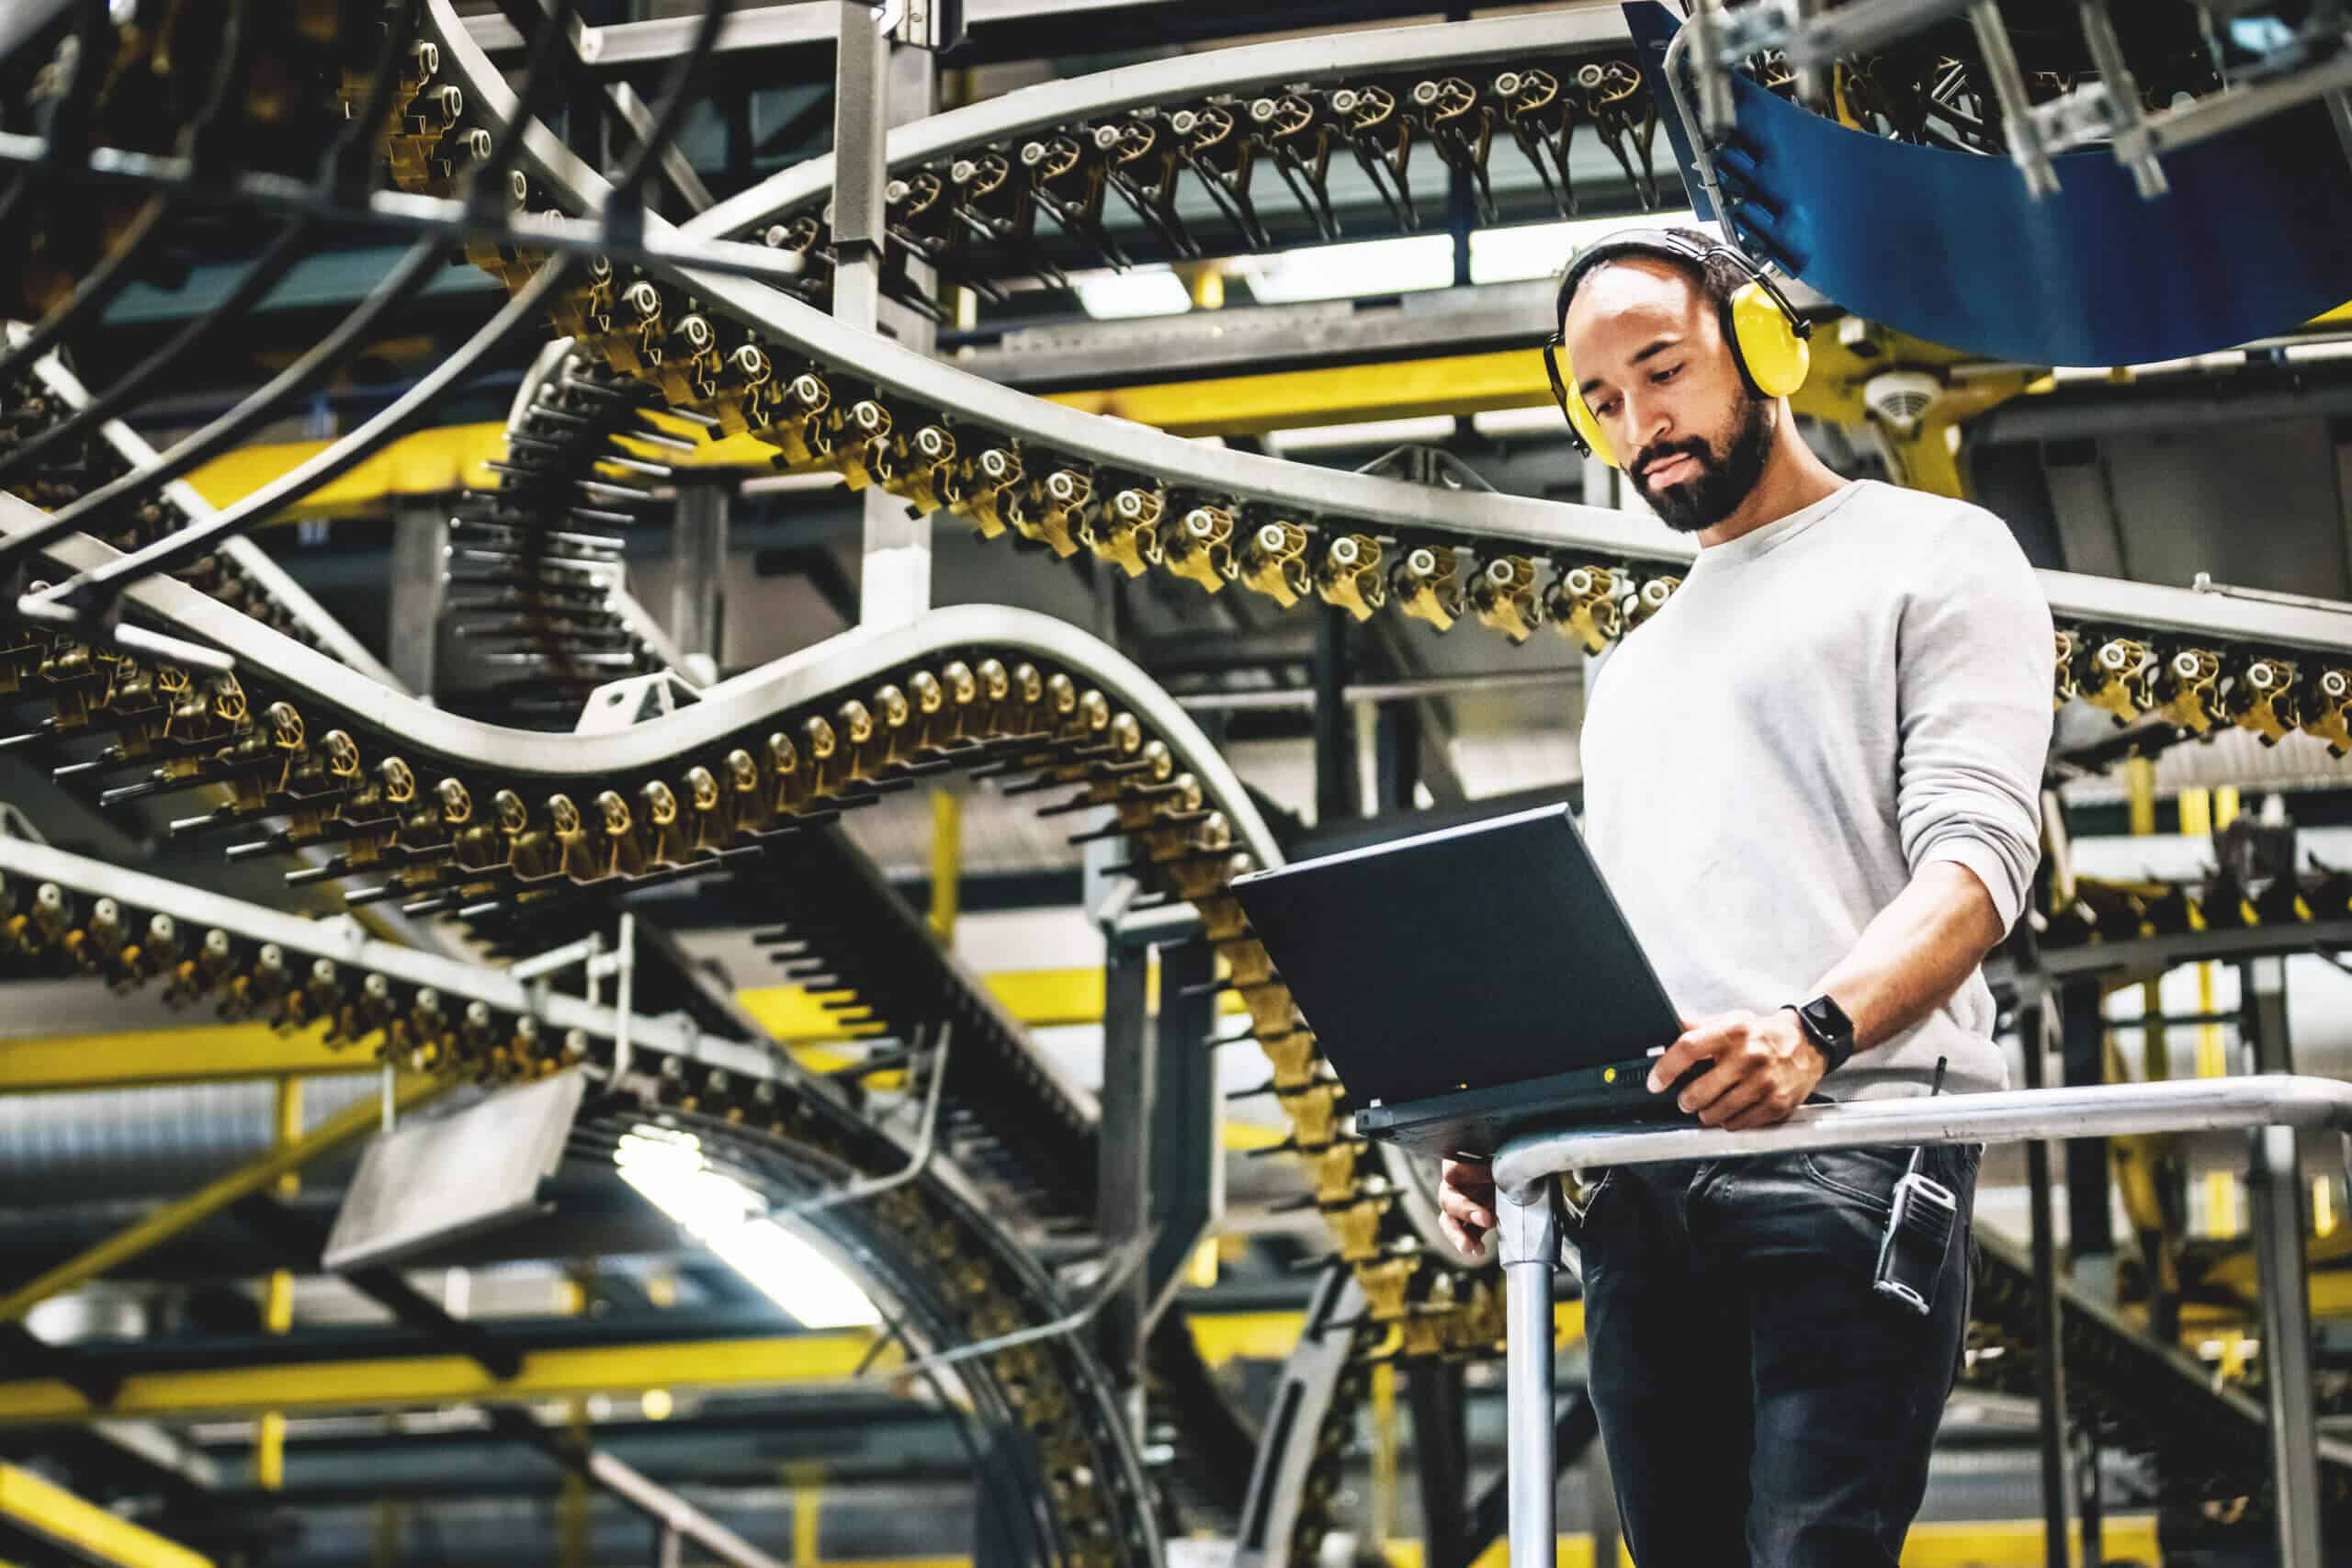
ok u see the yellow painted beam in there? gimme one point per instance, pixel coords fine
(1223, 1337)
(199, 1053)
(396, 1382)
(401, 1382)
(1251, 405)
(345, 1126)
(439, 461)
(946, 861)
(32, 1506)
(133, 1058)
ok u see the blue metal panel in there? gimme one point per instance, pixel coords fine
(2256, 237)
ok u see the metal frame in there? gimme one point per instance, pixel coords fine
(343, 940)
(623, 45)
(252, 561)
(1060, 102)
(812, 673)
(1298, 490)
(2277, 1104)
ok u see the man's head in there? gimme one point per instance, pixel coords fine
(1646, 344)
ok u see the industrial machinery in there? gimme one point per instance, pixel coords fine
(148, 648)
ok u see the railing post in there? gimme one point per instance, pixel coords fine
(1530, 1248)
(2275, 1179)
(2037, 1023)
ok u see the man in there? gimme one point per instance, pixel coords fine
(1813, 774)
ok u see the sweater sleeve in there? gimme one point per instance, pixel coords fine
(1974, 684)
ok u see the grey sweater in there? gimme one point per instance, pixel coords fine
(1825, 705)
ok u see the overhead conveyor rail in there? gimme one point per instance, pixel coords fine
(2275, 1106)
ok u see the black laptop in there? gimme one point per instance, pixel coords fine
(1469, 983)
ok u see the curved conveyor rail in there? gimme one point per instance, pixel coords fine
(956, 1275)
(823, 395)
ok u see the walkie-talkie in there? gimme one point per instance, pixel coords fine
(1918, 1232)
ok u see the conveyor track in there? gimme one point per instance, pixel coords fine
(469, 819)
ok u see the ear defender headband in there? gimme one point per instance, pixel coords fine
(1767, 338)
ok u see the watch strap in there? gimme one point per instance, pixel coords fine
(1826, 1024)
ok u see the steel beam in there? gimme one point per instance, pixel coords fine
(420, 547)
(1123, 1191)
(248, 558)
(1581, 24)
(62, 1527)
(698, 577)
(2275, 1181)
(344, 940)
(142, 1058)
(389, 1383)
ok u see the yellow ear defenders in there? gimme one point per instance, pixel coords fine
(1767, 338)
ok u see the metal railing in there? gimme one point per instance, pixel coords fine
(2277, 1105)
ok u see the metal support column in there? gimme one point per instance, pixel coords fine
(698, 588)
(278, 1298)
(1530, 1246)
(1396, 752)
(2262, 986)
(2090, 1218)
(894, 589)
(420, 539)
(1336, 796)
(1442, 1459)
(2275, 1181)
(2037, 1022)
(2090, 1500)
(1123, 1201)
(1184, 1166)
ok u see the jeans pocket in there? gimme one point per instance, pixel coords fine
(1865, 1175)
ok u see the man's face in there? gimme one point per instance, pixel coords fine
(1648, 353)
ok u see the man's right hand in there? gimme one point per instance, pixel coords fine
(1466, 1201)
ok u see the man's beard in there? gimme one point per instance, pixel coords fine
(1722, 483)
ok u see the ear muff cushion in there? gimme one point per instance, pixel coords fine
(1775, 357)
(1581, 417)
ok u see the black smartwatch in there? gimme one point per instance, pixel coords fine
(1826, 1024)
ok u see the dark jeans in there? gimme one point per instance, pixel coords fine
(1759, 1403)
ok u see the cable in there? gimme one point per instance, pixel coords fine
(408, 275)
(102, 584)
(118, 270)
(357, 136)
(142, 379)
(624, 205)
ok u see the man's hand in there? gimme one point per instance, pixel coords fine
(1760, 1067)
(1466, 1201)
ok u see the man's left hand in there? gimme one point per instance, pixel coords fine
(1759, 1066)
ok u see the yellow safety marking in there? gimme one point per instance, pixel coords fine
(397, 1382)
(1251, 405)
(192, 1054)
(84, 1528)
(1223, 1337)
(1037, 998)
(434, 462)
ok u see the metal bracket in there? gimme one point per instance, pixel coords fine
(2026, 146)
(925, 1142)
(1528, 1225)
(1122, 1262)
(589, 952)
(634, 699)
